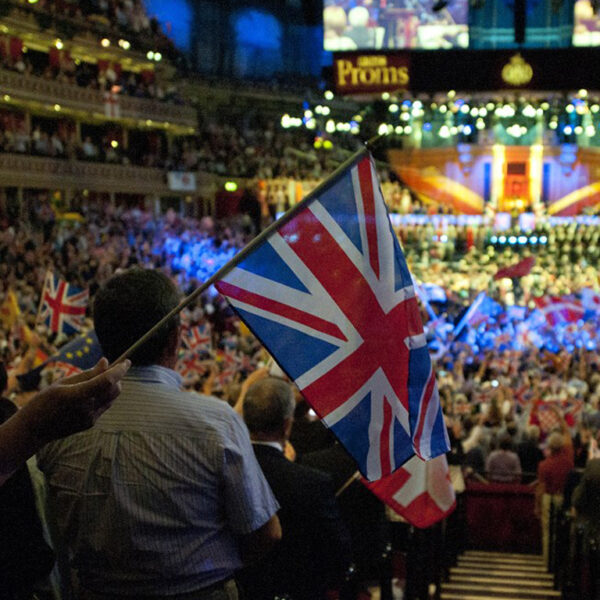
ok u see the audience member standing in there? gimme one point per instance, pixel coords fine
(530, 453)
(503, 465)
(552, 476)
(314, 551)
(163, 495)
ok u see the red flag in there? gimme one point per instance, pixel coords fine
(419, 491)
(520, 269)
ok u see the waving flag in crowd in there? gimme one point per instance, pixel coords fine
(482, 309)
(198, 339)
(520, 269)
(63, 305)
(9, 309)
(590, 300)
(560, 309)
(329, 294)
(78, 355)
(190, 365)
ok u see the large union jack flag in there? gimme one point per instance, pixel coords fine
(329, 294)
(63, 305)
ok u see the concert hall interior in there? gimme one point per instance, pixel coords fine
(299, 300)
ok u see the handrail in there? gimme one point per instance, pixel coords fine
(32, 87)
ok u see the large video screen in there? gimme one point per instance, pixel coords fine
(586, 31)
(387, 24)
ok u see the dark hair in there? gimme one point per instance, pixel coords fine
(268, 403)
(130, 304)
(506, 442)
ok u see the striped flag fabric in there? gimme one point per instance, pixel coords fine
(329, 294)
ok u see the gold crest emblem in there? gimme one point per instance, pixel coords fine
(517, 72)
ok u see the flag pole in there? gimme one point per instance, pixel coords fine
(37, 316)
(241, 255)
(348, 483)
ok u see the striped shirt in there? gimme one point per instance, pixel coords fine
(152, 498)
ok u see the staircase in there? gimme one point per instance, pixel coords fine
(484, 575)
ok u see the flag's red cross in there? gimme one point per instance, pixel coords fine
(188, 365)
(196, 338)
(383, 334)
(58, 306)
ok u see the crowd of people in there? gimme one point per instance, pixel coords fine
(128, 17)
(104, 76)
(504, 405)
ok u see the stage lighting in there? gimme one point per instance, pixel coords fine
(502, 239)
(533, 239)
(543, 240)
(512, 240)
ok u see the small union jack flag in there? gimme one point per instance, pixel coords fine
(198, 339)
(63, 305)
(190, 366)
(329, 294)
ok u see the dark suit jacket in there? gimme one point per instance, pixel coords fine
(361, 510)
(314, 551)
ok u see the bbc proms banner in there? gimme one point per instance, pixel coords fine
(371, 73)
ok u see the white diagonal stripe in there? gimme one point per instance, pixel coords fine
(265, 314)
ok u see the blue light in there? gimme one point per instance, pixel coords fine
(502, 239)
(467, 130)
(494, 239)
(522, 239)
(175, 17)
(512, 239)
(533, 239)
(543, 239)
(426, 126)
(257, 29)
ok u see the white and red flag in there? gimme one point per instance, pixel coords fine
(560, 309)
(421, 492)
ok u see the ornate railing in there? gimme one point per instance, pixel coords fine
(51, 92)
(17, 170)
